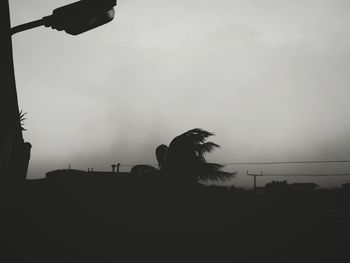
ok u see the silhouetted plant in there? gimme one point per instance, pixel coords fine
(22, 118)
(184, 159)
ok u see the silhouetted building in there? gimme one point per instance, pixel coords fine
(304, 186)
(59, 172)
(278, 187)
(74, 173)
(259, 190)
(346, 187)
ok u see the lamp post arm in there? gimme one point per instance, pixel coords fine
(26, 26)
(74, 18)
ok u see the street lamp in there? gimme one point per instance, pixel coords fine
(74, 19)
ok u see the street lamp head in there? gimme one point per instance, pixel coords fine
(81, 16)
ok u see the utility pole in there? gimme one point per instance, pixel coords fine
(255, 175)
(14, 153)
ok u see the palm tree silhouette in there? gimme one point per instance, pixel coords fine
(184, 159)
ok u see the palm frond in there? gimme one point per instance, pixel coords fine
(191, 145)
(217, 177)
(191, 137)
(213, 172)
(205, 147)
(22, 118)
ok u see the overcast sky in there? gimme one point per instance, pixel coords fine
(269, 77)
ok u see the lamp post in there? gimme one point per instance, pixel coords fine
(74, 19)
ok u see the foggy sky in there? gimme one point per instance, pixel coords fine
(270, 78)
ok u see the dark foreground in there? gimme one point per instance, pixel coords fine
(74, 220)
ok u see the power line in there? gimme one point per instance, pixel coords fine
(262, 163)
(286, 162)
(310, 174)
(131, 165)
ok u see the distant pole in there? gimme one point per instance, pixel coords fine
(254, 181)
(14, 153)
(255, 175)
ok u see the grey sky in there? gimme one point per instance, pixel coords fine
(269, 77)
